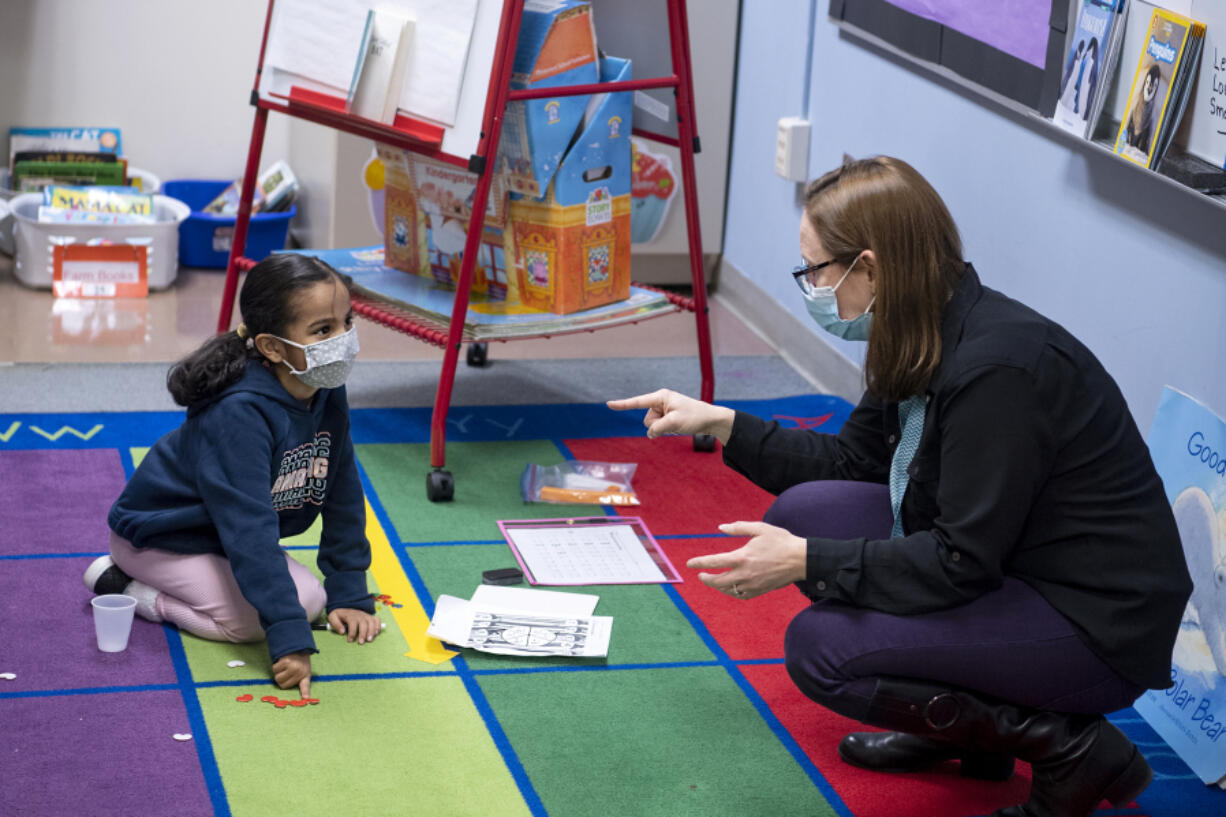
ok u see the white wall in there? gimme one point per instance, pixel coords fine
(1135, 269)
(174, 76)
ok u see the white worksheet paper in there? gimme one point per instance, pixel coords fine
(585, 554)
(516, 621)
(320, 40)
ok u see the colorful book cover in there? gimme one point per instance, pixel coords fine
(1151, 86)
(1087, 69)
(98, 200)
(1188, 444)
(88, 140)
(34, 176)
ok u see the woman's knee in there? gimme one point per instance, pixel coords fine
(833, 509)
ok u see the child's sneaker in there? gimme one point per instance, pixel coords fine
(104, 576)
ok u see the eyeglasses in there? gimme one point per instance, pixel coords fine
(806, 276)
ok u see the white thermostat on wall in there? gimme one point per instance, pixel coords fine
(792, 149)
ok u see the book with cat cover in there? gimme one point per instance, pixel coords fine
(1090, 64)
(1160, 87)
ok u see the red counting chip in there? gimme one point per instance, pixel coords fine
(281, 704)
(270, 699)
(312, 701)
(244, 698)
(298, 703)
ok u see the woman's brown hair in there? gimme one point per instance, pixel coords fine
(882, 204)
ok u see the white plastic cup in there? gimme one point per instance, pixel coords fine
(113, 614)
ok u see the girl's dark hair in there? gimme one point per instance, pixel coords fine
(267, 303)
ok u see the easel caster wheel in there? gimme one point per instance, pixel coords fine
(478, 354)
(704, 442)
(440, 487)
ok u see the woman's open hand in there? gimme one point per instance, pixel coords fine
(669, 412)
(771, 559)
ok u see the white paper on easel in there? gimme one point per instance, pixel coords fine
(320, 40)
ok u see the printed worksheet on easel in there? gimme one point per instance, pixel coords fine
(561, 552)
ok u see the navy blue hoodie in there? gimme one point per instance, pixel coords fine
(250, 466)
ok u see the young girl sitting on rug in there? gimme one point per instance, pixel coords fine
(265, 450)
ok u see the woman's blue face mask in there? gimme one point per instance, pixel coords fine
(823, 306)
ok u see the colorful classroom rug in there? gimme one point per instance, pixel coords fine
(692, 713)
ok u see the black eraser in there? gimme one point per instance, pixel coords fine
(503, 575)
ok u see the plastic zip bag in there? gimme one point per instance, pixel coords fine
(579, 482)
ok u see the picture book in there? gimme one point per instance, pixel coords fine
(88, 140)
(1188, 445)
(1160, 87)
(374, 92)
(274, 191)
(1090, 65)
(34, 176)
(98, 200)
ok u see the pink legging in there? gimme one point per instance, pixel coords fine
(198, 593)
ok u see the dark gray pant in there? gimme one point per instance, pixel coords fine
(1009, 644)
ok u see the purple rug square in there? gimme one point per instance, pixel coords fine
(110, 754)
(57, 501)
(47, 633)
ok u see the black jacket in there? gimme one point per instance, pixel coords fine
(1030, 465)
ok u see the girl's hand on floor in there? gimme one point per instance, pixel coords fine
(294, 670)
(355, 625)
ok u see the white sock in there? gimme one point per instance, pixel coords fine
(146, 600)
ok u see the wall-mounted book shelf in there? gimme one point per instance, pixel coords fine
(1026, 116)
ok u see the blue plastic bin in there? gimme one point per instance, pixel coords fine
(205, 238)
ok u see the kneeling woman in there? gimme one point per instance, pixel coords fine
(991, 557)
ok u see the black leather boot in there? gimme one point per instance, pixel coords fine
(899, 752)
(1076, 760)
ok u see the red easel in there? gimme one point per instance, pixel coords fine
(425, 139)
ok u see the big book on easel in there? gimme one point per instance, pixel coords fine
(1188, 444)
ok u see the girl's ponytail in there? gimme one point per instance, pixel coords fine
(209, 370)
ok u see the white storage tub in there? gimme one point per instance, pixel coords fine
(6, 226)
(36, 240)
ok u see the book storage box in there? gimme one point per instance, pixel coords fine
(557, 46)
(205, 238)
(426, 211)
(36, 241)
(572, 246)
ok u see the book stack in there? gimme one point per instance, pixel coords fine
(39, 157)
(1090, 65)
(1160, 88)
(274, 192)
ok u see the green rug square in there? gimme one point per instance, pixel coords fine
(687, 737)
(209, 660)
(486, 488)
(386, 746)
(647, 626)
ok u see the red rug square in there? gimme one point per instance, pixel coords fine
(681, 490)
(746, 629)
